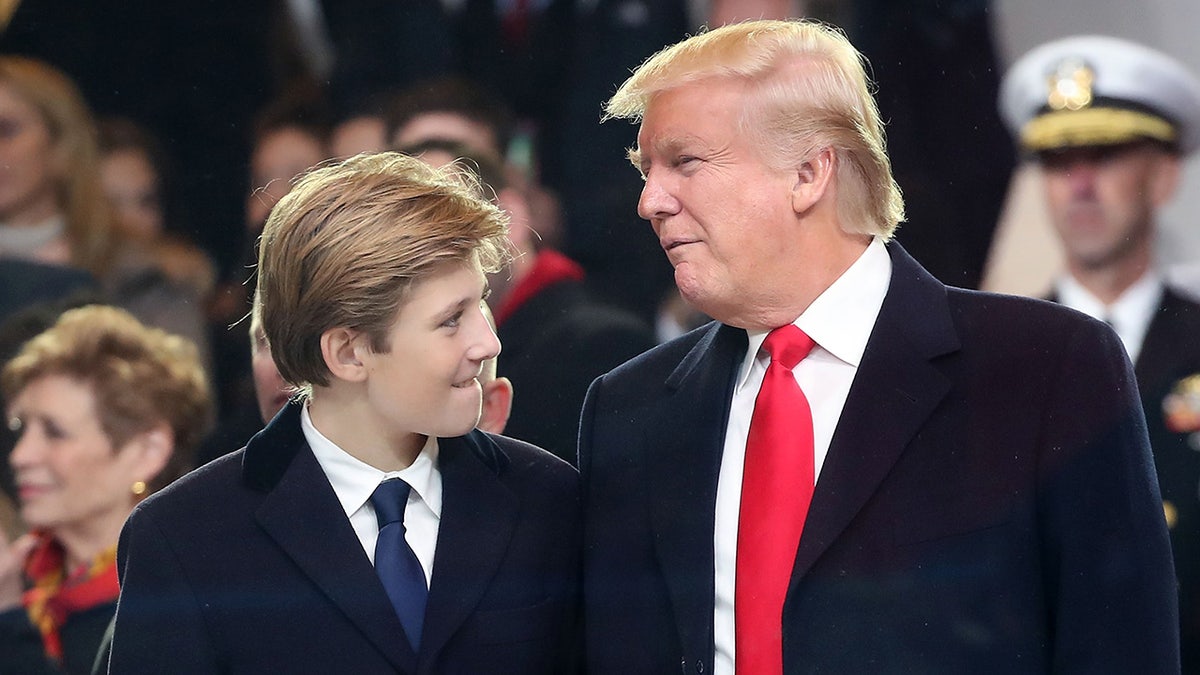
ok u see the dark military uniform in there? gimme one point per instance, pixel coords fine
(1170, 355)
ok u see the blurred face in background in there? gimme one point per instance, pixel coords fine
(270, 390)
(448, 126)
(1102, 200)
(133, 188)
(68, 474)
(365, 133)
(29, 170)
(278, 157)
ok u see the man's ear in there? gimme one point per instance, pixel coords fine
(343, 351)
(1164, 179)
(812, 180)
(497, 405)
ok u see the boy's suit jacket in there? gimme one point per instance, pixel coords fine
(249, 564)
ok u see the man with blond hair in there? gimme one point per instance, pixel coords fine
(855, 468)
(368, 528)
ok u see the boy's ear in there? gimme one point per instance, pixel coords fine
(342, 350)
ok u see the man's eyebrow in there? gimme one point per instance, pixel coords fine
(664, 145)
(634, 156)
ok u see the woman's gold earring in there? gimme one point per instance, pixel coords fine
(138, 489)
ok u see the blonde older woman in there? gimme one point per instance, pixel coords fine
(107, 411)
(52, 206)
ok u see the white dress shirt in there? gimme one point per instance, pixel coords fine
(1129, 316)
(353, 482)
(839, 321)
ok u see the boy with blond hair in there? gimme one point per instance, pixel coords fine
(369, 528)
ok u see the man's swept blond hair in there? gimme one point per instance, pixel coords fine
(807, 90)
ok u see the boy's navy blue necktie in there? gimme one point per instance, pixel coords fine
(395, 563)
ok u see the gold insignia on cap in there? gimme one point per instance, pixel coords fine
(1171, 514)
(1070, 86)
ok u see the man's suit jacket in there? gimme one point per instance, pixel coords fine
(988, 502)
(249, 565)
(1171, 352)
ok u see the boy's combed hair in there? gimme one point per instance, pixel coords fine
(346, 244)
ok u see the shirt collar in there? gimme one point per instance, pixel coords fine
(1129, 315)
(1140, 298)
(840, 320)
(353, 480)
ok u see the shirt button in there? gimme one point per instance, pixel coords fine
(700, 666)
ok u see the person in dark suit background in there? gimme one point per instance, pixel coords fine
(937, 66)
(371, 275)
(1109, 122)
(975, 492)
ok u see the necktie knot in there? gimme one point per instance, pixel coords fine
(788, 345)
(389, 500)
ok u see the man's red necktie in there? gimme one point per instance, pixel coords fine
(777, 487)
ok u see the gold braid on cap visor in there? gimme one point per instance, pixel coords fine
(1094, 126)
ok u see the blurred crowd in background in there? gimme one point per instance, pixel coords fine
(142, 145)
(170, 132)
